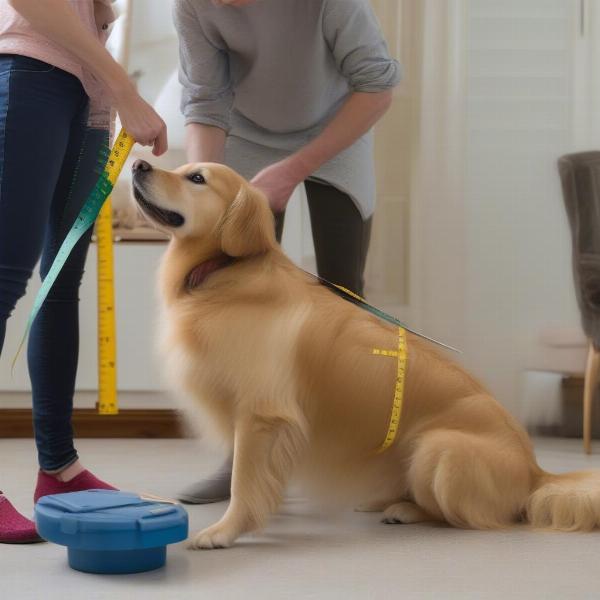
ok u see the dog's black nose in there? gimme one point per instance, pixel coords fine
(141, 165)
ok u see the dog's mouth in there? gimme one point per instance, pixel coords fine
(162, 216)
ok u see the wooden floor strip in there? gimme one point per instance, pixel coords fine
(87, 423)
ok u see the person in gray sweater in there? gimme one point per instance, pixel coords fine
(287, 92)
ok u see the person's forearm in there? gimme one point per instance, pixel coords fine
(357, 115)
(56, 20)
(204, 143)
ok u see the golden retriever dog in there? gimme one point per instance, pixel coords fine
(284, 370)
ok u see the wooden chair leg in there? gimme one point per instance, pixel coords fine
(589, 388)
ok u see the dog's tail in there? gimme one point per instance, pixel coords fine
(567, 502)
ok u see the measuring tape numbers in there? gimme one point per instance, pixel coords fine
(107, 326)
(402, 355)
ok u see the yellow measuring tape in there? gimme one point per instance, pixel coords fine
(107, 348)
(402, 355)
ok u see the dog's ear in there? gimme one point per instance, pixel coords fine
(247, 227)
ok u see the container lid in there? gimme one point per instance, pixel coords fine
(109, 520)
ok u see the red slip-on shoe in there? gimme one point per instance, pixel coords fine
(48, 484)
(14, 527)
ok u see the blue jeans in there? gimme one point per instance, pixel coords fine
(48, 165)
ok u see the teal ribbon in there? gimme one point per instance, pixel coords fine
(380, 314)
(85, 219)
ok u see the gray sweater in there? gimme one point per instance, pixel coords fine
(272, 74)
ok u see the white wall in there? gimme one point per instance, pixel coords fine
(519, 121)
(490, 249)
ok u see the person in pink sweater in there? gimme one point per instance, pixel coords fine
(58, 84)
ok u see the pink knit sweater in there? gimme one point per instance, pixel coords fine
(17, 36)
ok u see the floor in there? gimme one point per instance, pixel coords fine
(302, 554)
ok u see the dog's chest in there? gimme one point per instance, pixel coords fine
(183, 357)
(236, 351)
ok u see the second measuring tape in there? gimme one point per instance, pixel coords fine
(107, 326)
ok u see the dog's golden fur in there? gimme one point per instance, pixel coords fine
(283, 370)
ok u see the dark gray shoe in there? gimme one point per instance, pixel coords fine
(215, 488)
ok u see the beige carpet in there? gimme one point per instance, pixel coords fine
(302, 554)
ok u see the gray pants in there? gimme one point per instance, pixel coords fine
(340, 235)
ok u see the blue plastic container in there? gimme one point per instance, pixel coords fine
(111, 532)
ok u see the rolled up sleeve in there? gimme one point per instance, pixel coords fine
(207, 94)
(359, 49)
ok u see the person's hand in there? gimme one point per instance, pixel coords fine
(141, 121)
(278, 182)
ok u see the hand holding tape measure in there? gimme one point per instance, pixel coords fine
(86, 218)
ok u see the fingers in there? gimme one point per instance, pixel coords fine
(144, 124)
(161, 144)
(155, 136)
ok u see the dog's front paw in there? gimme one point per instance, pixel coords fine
(212, 538)
(405, 513)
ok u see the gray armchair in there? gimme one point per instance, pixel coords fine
(580, 176)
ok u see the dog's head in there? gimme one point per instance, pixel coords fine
(208, 202)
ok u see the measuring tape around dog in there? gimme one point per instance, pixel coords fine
(402, 355)
(85, 219)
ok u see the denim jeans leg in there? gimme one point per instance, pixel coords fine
(54, 340)
(35, 114)
(42, 127)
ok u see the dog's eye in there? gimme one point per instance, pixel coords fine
(197, 178)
